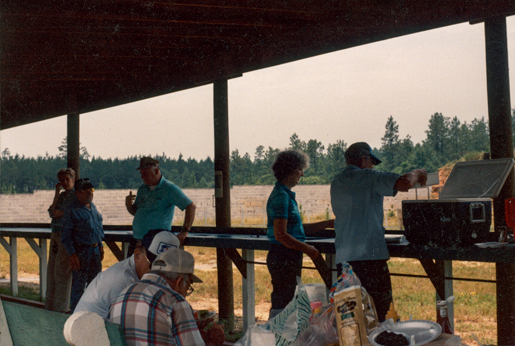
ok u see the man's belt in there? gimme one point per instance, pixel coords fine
(88, 245)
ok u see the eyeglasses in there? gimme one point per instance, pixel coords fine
(146, 258)
(190, 290)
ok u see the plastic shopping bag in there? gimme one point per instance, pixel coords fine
(285, 328)
(294, 319)
(321, 331)
(353, 301)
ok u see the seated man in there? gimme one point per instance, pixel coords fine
(154, 311)
(107, 286)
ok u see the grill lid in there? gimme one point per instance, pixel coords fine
(477, 179)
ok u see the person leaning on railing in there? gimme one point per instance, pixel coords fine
(59, 273)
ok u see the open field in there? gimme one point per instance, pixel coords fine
(474, 307)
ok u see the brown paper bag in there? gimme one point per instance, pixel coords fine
(350, 319)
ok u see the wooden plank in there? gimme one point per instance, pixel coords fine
(34, 246)
(330, 259)
(43, 268)
(435, 275)
(239, 262)
(249, 291)
(5, 335)
(445, 267)
(34, 326)
(119, 254)
(14, 265)
(31, 325)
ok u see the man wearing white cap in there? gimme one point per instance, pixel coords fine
(154, 311)
(107, 286)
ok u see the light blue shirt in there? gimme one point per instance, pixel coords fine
(107, 286)
(155, 208)
(357, 202)
(282, 205)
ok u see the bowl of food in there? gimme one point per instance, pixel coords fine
(201, 315)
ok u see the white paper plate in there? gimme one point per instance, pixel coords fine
(491, 244)
(424, 331)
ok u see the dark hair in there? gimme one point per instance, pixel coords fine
(287, 161)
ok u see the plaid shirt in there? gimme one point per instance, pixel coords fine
(151, 313)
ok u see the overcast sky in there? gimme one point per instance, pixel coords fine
(345, 95)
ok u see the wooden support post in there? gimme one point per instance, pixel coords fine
(40, 250)
(125, 249)
(13, 242)
(501, 144)
(445, 268)
(117, 252)
(43, 267)
(73, 139)
(437, 271)
(330, 259)
(249, 291)
(435, 275)
(223, 201)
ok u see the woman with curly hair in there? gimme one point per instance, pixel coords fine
(286, 232)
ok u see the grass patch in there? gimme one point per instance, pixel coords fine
(31, 293)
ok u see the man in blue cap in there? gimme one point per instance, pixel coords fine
(82, 237)
(357, 200)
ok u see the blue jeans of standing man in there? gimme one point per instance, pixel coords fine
(90, 265)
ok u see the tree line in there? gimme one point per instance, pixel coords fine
(447, 140)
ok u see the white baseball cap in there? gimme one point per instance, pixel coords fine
(176, 260)
(156, 244)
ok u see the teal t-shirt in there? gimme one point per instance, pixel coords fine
(155, 208)
(282, 205)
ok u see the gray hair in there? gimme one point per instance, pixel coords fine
(170, 275)
(68, 171)
(287, 161)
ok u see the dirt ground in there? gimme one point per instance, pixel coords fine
(262, 310)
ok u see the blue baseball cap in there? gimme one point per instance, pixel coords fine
(360, 149)
(83, 184)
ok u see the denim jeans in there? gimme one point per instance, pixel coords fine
(90, 266)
